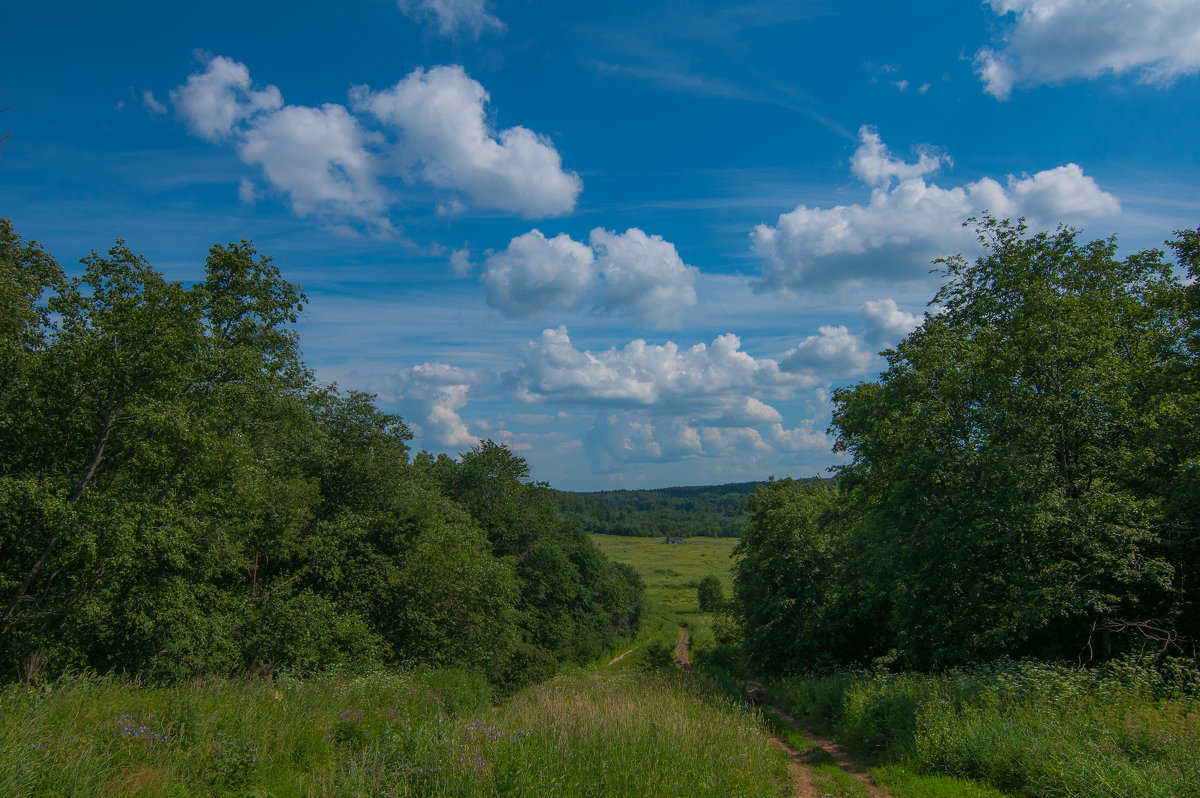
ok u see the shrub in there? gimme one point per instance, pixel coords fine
(710, 594)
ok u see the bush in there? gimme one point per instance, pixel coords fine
(710, 594)
(656, 655)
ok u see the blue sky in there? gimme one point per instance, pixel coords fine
(640, 243)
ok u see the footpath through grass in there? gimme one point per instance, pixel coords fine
(1018, 729)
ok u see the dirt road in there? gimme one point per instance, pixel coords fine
(802, 780)
(683, 658)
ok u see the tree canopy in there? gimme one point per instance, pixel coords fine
(1022, 476)
(179, 496)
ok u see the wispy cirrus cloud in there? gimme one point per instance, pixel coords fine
(453, 16)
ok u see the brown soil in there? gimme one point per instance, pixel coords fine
(801, 776)
(683, 658)
(620, 657)
(834, 750)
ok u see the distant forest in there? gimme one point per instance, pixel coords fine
(698, 511)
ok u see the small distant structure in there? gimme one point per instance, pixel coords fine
(674, 539)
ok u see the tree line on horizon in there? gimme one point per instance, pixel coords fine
(690, 511)
(1023, 477)
(179, 497)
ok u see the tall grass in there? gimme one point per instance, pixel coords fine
(1024, 728)
(389, 734)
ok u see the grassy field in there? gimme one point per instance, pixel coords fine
(1018, 729)
(671, 573)
(601, 733)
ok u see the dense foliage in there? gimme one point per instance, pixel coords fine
(1023, 479)
(709, 511)
(179, 496)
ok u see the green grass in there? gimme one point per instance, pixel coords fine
(600, 733)
(628, 731)
(672, 573)
(833, 782)
(810, 752)
(1017, 728)
(904, 783)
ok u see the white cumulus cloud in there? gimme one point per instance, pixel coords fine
(643, 276)
(618, 440)
(438, 391)
(452, 16)
(1052, 41)
(875, 166)
(661, 403)
(535, 273)
(446, 140)
(833, 352)
(214, 101)
(908, 222)
(320, 158)
(885, 323)
(325, 161)
(707, 381)
(1062, 192)
(628, 273)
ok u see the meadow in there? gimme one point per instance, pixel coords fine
(613, 732)
(1011, 728)
(672, 573)
(633, 729)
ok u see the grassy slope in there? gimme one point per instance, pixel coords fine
(604, 733)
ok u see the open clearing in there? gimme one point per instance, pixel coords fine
(672, 572)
